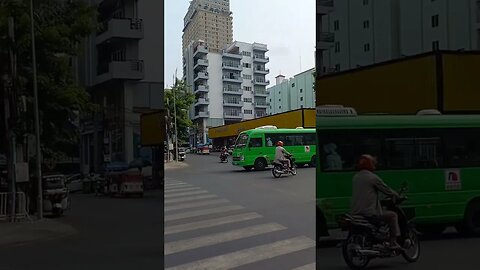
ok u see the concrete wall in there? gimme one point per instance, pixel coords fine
(215, 83)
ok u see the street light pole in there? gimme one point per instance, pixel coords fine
(175, 115)
(37, 119)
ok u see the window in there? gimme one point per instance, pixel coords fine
(244, 53)
(435, 45)
(247, 88)
(301, 98)
(336, 25)
(247, 65)
(366, 24)
(247, 100)
(279, 99)
(366, 47)
(247, 111)
(337, 67)
(293, 84)
(365, 2)
(291, 139)
(256, 142)
(301, 90)
(337, 47)
(246, 76)
(462, 148)
(435, 21)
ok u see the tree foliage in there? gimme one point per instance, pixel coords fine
(184, 99)
(60, 28)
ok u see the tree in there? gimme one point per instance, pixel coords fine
(183, 101)
(60, 26)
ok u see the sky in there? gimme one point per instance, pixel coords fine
(286, 26)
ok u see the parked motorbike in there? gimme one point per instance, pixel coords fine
(368, 237)
(55, 195)
(223, 157)
(282, 168)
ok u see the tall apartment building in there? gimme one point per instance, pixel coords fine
(229, 86)
(292, 94)
(210, 21)
(355, 33)
(123, 71)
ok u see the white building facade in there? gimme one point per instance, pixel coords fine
(355, 33)
(229, 87)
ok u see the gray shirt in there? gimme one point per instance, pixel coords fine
(280, 153)
(365, 193)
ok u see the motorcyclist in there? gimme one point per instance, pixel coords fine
(224, 151)
(281, 155)
(366, 186)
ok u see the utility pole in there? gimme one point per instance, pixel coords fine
(175, 114)
(37, 120)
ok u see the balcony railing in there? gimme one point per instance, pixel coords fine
(232, 90)
(261, 93)
(262, 70)
(233, 115)
(232, 66)
(261, 58)
(256, 81)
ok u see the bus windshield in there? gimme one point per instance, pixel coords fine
(241, 141)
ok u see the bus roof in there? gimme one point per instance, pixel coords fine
(279, 130)
(398, 121)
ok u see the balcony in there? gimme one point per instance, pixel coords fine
(261, 105)
(120, 70)
(201, 115)
(260, 114)
(120, 28)
(200, 50)
(233, 91)
(259, 93)
(201, 89)
(202, 101)
(261, 59)
(324, 7)
(233, 115)
(260, 47)
(261, 71)
(261, 82)
(227, 103)
(202, 75)
(232, 67)
(234, 79)
(201, 63)
(232, 55)
(325, 40)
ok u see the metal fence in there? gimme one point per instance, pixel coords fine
(20, 205)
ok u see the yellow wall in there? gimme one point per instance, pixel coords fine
(399, 87)
(461, 82)
(291, 119)
(152, 128)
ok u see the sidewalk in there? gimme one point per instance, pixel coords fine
(23, 232)
(175, 165)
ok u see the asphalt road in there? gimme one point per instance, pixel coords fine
(112, 233)
(449, 251)
(218, 216)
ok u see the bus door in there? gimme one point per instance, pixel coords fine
(255, 148)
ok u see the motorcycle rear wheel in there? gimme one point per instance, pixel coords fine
(348, 249)
(276, 171)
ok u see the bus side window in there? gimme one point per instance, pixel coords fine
(269, 141)
(255, 142)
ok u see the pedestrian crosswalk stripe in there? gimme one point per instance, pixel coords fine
(209, 223)
(218, 238)
(195, 204)
(249, 255)
(173, 182)
(192, 198)
(181, 189)
(181, 194)
(203, 212)
(167, 188)
(306, 267)
(177, 185)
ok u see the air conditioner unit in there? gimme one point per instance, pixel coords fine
(267, 127)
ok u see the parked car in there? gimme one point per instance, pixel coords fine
(74, 182)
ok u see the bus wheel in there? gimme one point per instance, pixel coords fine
(313, 162)
(260, 164)
(248, 168)
(472, 218)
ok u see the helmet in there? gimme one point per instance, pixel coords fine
(279, 143)
(366, 162)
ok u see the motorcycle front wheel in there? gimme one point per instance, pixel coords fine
(294, 170)
(412, 253)
(350, 247)
(276, 171)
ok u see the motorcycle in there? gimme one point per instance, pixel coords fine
(55, 195)
(281, 168)
(368, 237)
(223, 157)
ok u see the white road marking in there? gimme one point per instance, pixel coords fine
(217, 238)
(192, 198)
(173, 190)
(209, 223)
(250, 255)
(181, 194)
(203, 212)
(195, 204)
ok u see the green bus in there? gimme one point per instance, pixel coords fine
(437, 156)
(252, 146)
